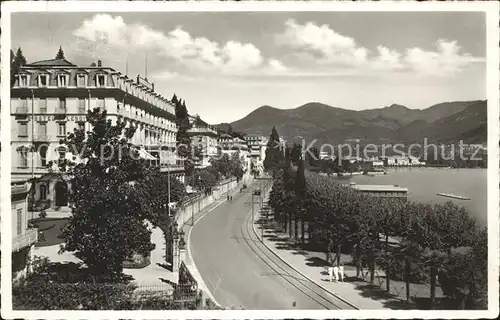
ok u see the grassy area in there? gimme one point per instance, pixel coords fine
(49, 231)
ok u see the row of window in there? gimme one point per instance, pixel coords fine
(42, 128)
(23, 157)
(62, 80)
(42, 103)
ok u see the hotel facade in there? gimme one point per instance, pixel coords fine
(51, 98)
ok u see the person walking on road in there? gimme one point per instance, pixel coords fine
(336, 273)
(330, 273)
(341, 272)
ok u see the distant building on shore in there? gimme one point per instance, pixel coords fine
(383, 191)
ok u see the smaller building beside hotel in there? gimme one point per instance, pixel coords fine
(23, 237)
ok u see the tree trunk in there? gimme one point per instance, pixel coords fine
(328, 247)
(284, 222)
(433, 285)
(296, 228)
(303, 231)
(290, 225)
(372, 270)
(407, 278)
(357, 259)
(338, 254)
(387, 269)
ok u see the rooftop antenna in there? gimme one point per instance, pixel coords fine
(146, 73)
(50, 31)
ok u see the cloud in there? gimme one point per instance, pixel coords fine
(323, 45)
(446, 60)
(194, 53)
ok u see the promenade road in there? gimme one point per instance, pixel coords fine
(241, 272)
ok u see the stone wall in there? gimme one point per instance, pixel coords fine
(193, 206)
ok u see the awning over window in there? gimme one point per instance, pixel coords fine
(145, 155)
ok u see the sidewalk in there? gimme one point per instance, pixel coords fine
(312, 264)
(187, 227)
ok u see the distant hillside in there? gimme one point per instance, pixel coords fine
(445, 122)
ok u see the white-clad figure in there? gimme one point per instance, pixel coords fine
(330, 273)
(336, 273)
(341, 272)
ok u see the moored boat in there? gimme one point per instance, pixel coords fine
(449, 195)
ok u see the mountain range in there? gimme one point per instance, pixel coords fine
(446, 122)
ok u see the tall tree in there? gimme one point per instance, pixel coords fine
(16, 62)
(230, 130)
(300, 193)
(183, 140)
(60, 54)
(272, 158)
(296, 153)
(174, 100)
(111, 205)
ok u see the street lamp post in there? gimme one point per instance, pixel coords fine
(168, 184)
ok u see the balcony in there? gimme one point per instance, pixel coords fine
(41, 138)
(29, 237)
(60, 110)
(22, 110)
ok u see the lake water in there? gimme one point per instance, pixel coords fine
(424, 183)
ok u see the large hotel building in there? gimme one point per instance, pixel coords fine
(51, 98)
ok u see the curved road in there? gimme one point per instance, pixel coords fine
(241, 272)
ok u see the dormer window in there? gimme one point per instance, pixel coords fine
(23, 80)
(80, 80)
(61, 80)
(100, 80)
(43, 79)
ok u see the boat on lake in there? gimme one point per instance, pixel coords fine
(454, 196)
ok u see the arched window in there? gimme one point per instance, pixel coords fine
(43, 192)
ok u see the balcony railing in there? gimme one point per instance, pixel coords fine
(29, 237)
(22, 110)
(41, 138)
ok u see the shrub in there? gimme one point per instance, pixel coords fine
(43, 214)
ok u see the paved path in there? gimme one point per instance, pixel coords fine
(241, 272)
(155, 274)
(151, 275)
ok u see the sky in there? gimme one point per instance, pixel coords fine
(227, 64)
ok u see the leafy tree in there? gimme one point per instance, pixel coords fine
(205, 180)
(111, 203)
(236, 166)
(222, 165)
(60, 53)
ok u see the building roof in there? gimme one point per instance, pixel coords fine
(378, 188)
(52, 63)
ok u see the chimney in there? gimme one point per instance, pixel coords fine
(92, 64)
(99, 63)
(153, 86)
(138, 76)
